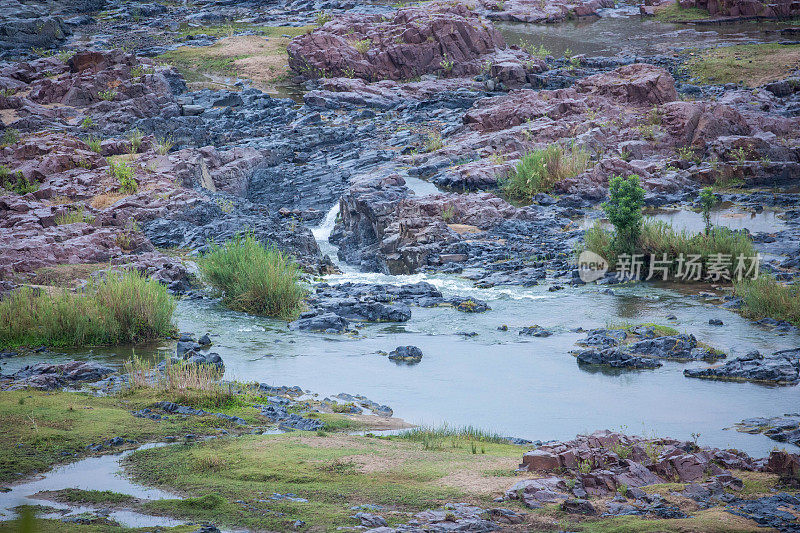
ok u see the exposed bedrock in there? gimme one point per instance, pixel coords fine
(632, 121)
(440, 37)
(746, 8)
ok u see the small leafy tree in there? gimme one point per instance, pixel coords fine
(707, 201)
(624, 211)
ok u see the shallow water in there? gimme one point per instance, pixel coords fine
(514, 385)
(729, 216)
(624, 31)
(93, 473)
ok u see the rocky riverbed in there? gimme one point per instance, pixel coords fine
(371, 143)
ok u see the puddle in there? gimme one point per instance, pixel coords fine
(102, 472)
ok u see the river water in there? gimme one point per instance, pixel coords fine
(499, 380)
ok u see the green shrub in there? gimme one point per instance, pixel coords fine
(73, 216)
(16, 181)
(624, 210)
(122, 308)
(540, 170)
(94, 143)
(707, 201)
(135, 137)
(254, 278)
(108, 95)
(10, 136)
(765, 297)
(124, 174)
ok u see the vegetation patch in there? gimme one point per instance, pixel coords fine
(766, 297)
(91, 496)
(41, 429)
(752, 65)
(254, 278)
(540, 170)
(332, 472)
(261, 58)
(675, 13)
(121, 308)
(658, 238)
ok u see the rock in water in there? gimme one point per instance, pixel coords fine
(406, 354)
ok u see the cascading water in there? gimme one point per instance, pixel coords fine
(323, 232)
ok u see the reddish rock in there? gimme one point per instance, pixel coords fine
(639, 84)
(436, 38)
(783, 463)
(746, 8)
(537, 460)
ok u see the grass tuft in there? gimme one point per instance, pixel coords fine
(122, 308)
(765, 297)
(540, 170)
(254, 278)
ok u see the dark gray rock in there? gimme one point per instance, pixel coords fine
(325, 323)
(615, 358)
(406, 354)
(783, 368)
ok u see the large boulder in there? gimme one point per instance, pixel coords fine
(440, 37)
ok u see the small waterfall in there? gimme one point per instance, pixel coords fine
(323, 231)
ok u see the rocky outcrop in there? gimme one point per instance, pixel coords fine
(782, 368)
(25, 26)
(604, 460)
(631, 120)
(614, 358)
(746, 8)
(784, 428)
(437, 38)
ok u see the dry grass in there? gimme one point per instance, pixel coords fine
(262, 60)
(106, 200)
(66, 275)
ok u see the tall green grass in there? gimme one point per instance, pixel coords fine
(660, 238)
(765, 297)
(121, 308)
(453, 433)
(254, 278)
(540, 170)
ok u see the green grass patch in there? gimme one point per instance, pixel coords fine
(765, 297)
(92, 496)
(332, 472)
(41, 429)
(752, 65)
(254, 278)
(675, 13)
(540, 170)
(121, 308)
